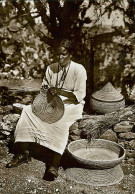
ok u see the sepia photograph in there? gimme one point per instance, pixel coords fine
(67, 96)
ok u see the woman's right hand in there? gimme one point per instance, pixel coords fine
(53, 90)
(56, 91)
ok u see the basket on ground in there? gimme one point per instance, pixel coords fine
(98, 154)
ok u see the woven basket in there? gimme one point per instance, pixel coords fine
(95, 177)
(48, 107)
(99, 154)
(107, 100)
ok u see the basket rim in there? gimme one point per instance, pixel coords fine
(99, 161)
(107, 101)
(108, 93)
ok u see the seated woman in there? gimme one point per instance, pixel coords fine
(67, 79)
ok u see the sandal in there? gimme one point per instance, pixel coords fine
(18, 160)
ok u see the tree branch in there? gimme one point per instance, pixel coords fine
(41, 7)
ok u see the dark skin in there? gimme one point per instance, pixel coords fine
(64, 61)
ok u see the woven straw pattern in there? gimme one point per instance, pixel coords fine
(106, 107)
(98, 154)
(96, 177)
(107, 100)
(49, 108)
(108, 93)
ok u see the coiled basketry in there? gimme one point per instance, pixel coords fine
(107, 100)
(48, 107)
(99, 154)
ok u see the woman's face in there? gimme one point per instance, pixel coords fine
(64, 57)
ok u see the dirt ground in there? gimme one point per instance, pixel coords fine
(27, 179)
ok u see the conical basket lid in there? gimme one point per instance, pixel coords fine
(108, 93)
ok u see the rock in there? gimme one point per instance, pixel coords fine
(1, 116)
(73, 138)
(17, 108)
(9, 123)
(28, 99)
(24, 91)
(131, 161)
(123, 126)
(121, 143)
(18, 99)
(74, 132)
(132, 118)
(11, 118)
(132, 144)
(110, 135)
(7, 109)
(3, 136)
(2, 152)
(124, 143)
(16, 72)
(74, 126)
(130, 153)
(3, 126)
(127, 136)
(133, 129)
(1, 111)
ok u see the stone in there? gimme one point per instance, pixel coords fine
(74, 132)
(124, 143)
(130, 153)
(127, 136)
(3, 136)
(17, 108)
(121, 143)
(74, 137)
(133, 129)
(28, 99)
(18, 100)
(110, 135)
(74, 126)
(13, 118)
(1, 111)
(132, 117)
(131, 161)
(8, 123)
(132, 144)
(7, 109)
(2, 152)
(3, 126)
(124, 126)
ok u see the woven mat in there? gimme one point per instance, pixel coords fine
(96, 177)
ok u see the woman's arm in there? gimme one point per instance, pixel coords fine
(67, 94)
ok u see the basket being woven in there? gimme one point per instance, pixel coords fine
(98, 154)
(49, 108)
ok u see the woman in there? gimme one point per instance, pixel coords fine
(67, 79)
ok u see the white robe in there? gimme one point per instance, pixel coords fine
(55, 136)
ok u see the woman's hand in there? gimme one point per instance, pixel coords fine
(55, 90)
(67, 94)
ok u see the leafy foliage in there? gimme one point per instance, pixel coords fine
(29, 30)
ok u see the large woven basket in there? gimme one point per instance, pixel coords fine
(99, 154)
(107, 100)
